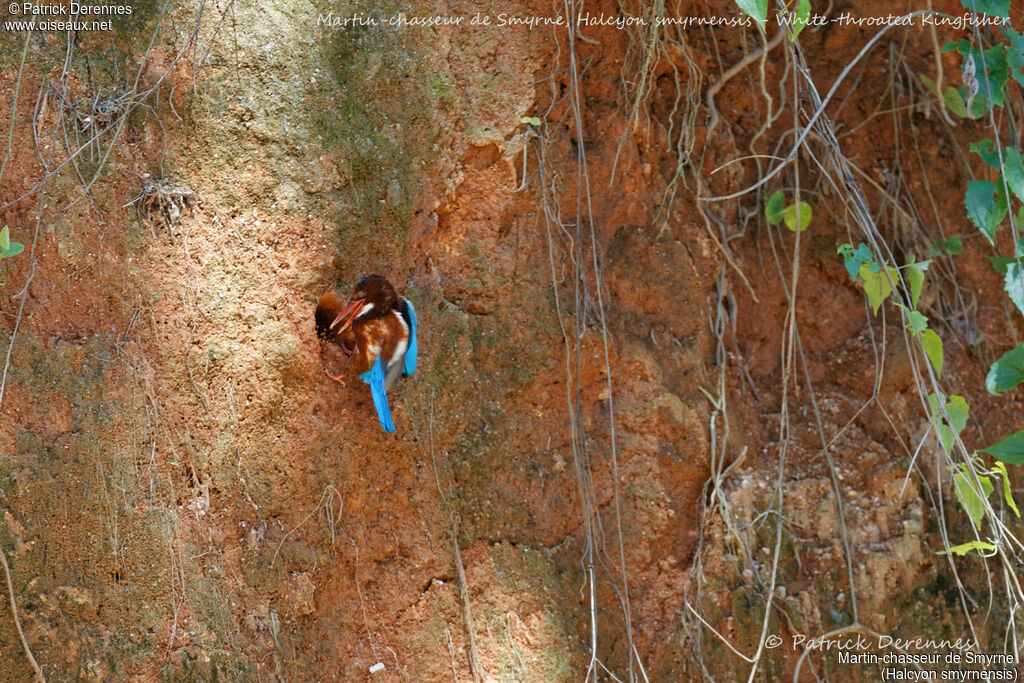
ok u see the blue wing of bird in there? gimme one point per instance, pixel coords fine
(410, 353)
(375, 378)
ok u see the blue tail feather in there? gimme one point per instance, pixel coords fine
(410, 353)
(375, 378)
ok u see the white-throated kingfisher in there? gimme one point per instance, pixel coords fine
(378, 329)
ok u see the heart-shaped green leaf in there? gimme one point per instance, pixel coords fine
(972, 500)
(876, 283)
(917, 321)
(1010, 450)
(803, 13)
(933, 349)
(1007, 372)
(955, 101)
(983, 208)
(773, 209)
(790, 217)
(854, 258)
(1015, 284)
(993, 8)
(13, 249)
(1013, 171)
(915, 279)
(755, 9)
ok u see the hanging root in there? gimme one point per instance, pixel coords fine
(165, 197)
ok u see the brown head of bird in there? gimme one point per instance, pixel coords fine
(373, 297)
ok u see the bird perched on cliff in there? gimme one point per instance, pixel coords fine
(378, 329)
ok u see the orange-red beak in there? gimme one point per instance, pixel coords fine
(348, 315)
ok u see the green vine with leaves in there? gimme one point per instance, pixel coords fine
(986, 73)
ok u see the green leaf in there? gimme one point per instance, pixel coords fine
(991, 79)
(876, 285)
(803, 13)
(854, 258)
(1000, 264)
(957, 409)
(983, 208)
(1007, 372)
(947, 436)
(986, 149)
(970, 498)
(946, 433)
(755, 9)
(933, 349)
(1013, 171)
(929, 84)
(1014, 53)
(789, 216)
(918, 321)
(984, 549)
(1000, 467)
(915, 278)
(1010, 450)
(773, 209)
(954, 245)
(955, 101)
(994, 8)
(960, 46)
(1015, 285)
(14, 249)
(5, 238)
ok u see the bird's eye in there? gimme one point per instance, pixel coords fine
(362, 293)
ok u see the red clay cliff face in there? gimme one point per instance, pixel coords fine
(185, 492)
